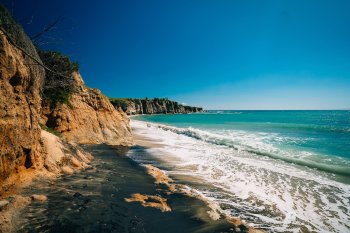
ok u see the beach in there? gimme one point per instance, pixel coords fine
(167, 183)
(173, 181)
(117, 194)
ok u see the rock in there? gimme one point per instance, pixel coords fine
(36, 197)
(67, 170)
(154, 201)
(77, 194)
(243, 228)
(3, 204)
(75, 163)
(86, 201)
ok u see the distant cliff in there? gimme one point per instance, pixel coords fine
(152, 106)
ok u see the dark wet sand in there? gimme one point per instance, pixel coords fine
(93, 201)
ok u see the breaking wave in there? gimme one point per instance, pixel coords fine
(238, 141)
(269, 190)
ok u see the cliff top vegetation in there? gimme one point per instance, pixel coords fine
(58, 86)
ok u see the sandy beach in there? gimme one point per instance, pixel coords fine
(116, 195)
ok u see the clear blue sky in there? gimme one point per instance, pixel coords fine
(217, 54)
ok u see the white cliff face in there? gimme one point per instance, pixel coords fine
(131, 109)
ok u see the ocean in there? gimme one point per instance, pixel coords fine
(283, 171)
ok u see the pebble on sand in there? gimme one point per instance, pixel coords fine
(39, 197)
(67, 170)
(4, 204)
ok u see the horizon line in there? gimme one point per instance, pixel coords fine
(276, 109)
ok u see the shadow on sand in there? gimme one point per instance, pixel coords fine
(93, 201)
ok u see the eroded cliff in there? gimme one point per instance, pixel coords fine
(20, 100)
(86, 117)
(152, 106)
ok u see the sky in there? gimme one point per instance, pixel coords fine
(218, 54)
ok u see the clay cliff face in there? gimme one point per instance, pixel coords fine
(152, 106)
(89, 117)
(19, 99)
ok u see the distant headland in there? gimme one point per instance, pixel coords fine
(133, 106)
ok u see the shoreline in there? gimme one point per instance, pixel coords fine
(234, 180)
(154, 188)
(166, 192)
(161, 177)
(113, 180)
(166, 195)
(125, 191)
(342, 173)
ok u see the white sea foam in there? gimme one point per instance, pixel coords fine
(223, 112)
(262, 190)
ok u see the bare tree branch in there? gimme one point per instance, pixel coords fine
(27, 19)
(29, 55)
(47, 29)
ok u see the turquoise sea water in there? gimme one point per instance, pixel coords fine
(284, 171)
(318, 139)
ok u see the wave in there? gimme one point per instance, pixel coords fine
(221, 112)
(278, 195)
(226, 112)
(264, 150)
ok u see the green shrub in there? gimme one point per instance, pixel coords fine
(50, 130)
(120, 102)
(58, 85)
